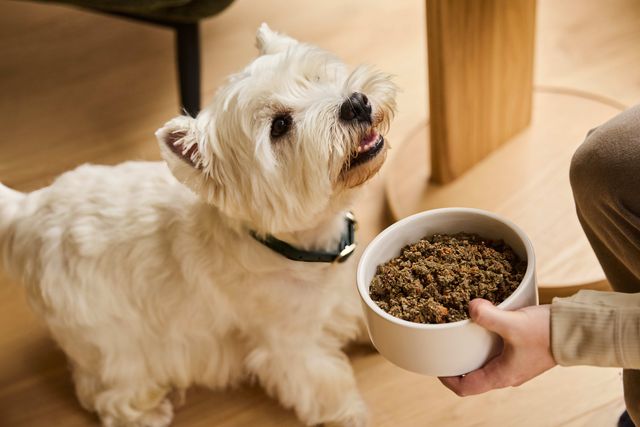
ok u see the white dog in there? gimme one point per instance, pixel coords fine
(155, 276)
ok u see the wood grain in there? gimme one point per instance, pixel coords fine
(79, 87)
(480, 79)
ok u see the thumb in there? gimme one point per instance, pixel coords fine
(492, 318)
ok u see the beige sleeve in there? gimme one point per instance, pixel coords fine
(596, 328)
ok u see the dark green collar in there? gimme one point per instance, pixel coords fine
(344, 250)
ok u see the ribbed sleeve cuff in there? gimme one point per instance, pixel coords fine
(596, 328)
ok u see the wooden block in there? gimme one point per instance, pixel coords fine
(480, 78)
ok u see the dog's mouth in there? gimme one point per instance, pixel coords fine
(370, 146)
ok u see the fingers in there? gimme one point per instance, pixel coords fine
(488, 316)
(525, 354)
(452, 383)
(490, 377)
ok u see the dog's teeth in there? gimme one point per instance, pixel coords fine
(367, 144)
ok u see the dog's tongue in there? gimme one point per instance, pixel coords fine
(368, 142)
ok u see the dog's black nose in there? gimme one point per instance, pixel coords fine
(356, 107)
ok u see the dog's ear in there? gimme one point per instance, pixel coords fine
(179, 140)
(269, 41)
(186, 145)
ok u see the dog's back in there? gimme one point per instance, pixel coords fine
(86, 214)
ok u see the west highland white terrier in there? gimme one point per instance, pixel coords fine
(154, 276)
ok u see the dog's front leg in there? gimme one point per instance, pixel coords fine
(318, 383)
(347, 319)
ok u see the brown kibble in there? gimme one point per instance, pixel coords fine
(442, 310)
(433, 280)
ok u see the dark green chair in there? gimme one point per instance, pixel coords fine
(183, 16)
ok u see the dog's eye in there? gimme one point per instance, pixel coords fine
(280, 125)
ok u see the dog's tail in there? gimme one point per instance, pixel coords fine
(9, 205)
(10, 201)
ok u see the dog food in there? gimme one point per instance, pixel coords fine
(433, 280)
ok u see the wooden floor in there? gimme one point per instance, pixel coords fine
(78, 87)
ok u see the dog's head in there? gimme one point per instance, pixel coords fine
(286, 139)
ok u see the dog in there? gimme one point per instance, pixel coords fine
(199, 270)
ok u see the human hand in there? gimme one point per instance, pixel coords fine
(525, 355)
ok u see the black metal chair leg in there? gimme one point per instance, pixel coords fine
(188, 58)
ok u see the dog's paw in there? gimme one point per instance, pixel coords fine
(354, 420)
(356, 415)
(160, 416)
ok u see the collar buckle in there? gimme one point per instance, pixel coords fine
(345, 253)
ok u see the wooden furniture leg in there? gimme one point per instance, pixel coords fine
(480, 79)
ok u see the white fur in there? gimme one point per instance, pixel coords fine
(150, 287)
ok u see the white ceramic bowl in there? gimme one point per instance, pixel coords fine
(440, 349)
